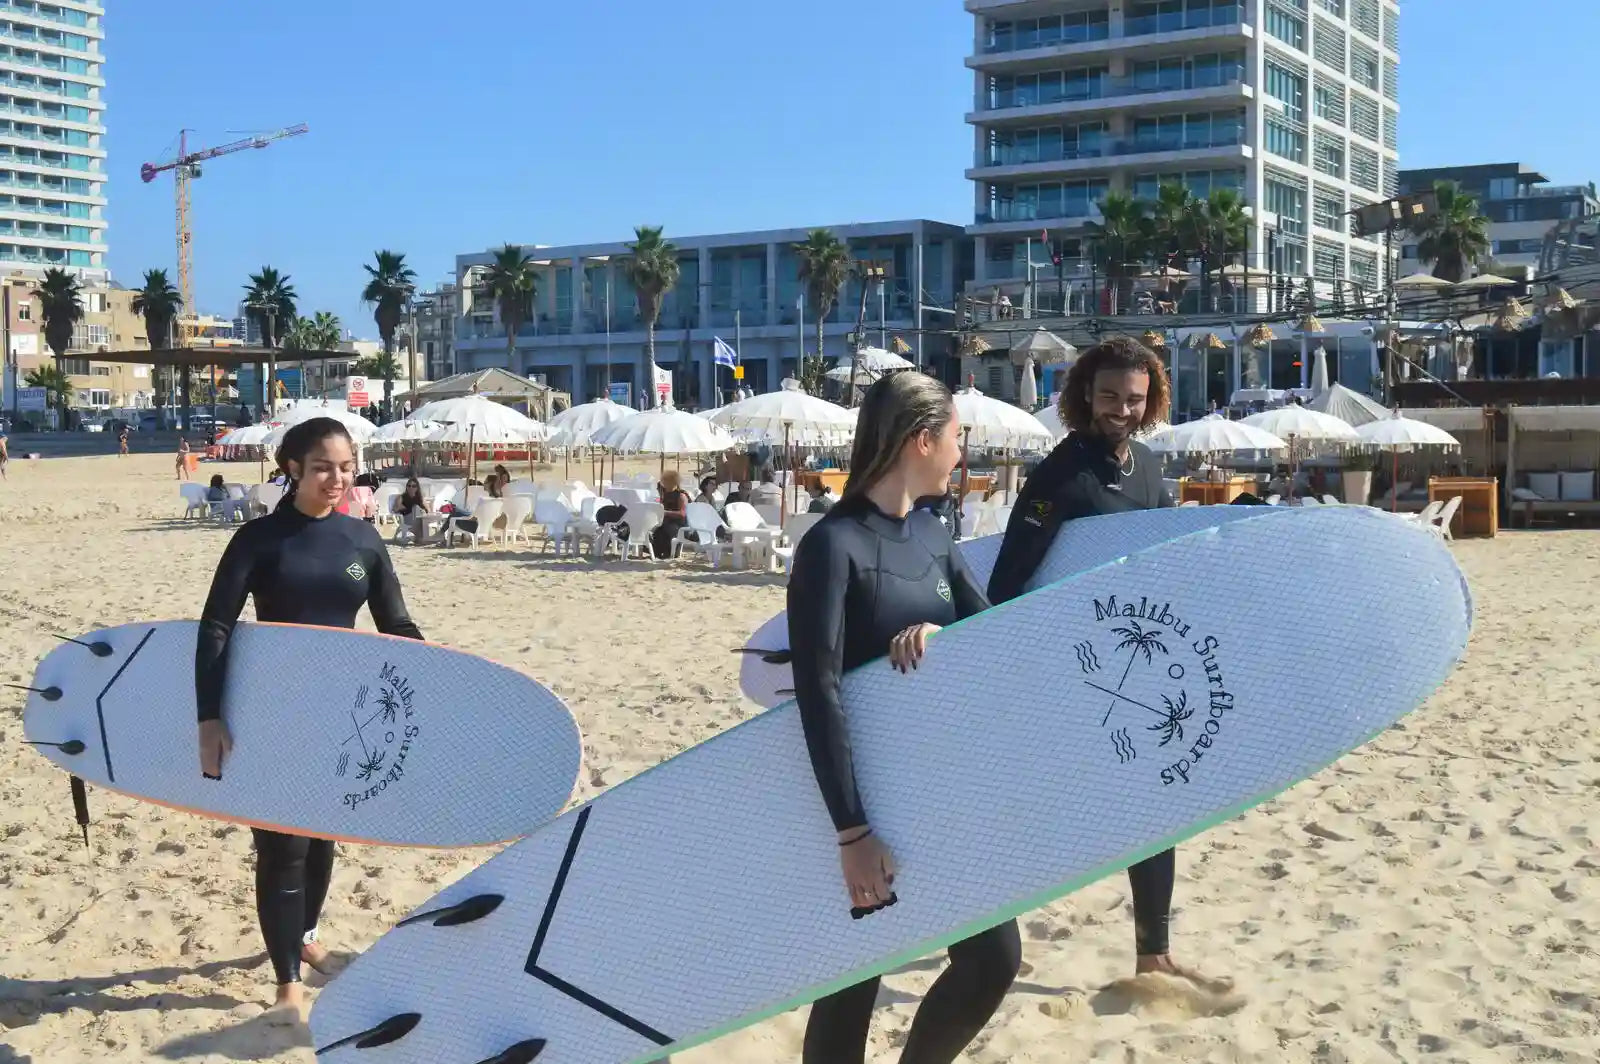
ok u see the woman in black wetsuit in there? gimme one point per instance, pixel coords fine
(304, 564)
(1115, 389)
(875, 577)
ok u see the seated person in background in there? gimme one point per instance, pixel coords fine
(463, 521)
(675, 504)
(767, 493)
(218, 491)
(708, 493)
(411, 505)
(822, 499)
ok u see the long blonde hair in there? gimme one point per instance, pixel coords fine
(893, 411)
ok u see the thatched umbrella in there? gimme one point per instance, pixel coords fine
(1309, 324)
(1511, 316)
(1038, 347)
(1152, 338)
(972, 345)
(1256, 338)
(1557, 300)
(1205, 343)
(899, 346)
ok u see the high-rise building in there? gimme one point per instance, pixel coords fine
(52, 131)
(1291, 102)
(1520, 203)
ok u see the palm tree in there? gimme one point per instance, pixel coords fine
(1120, 243)
(269, 300)
(61, 307)
(512, 282)
(322, 332)
(159, 303)
(1222, 229)
(1454, 237)
(389, 283)
(1136, 639)
(653, 272)
(56, 384)
(824, 267)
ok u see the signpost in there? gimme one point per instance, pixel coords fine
(30, 398)
(356, 395)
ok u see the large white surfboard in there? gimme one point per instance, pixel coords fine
(337, 734)
(764, 673)
(1042, 745)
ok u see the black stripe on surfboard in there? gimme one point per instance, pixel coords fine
(99, 704)
(610, 1012)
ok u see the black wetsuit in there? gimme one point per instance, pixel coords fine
(301, 570)
(1082, 477)
(859, 578)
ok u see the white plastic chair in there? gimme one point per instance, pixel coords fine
(442, 494)
(749, 531)
(194, 499)
(794, 531)
(700, 534)
(269, 495)
(554, 521)
(517, 509)
(486, 512)
(1272, 500)
(1329, 500)
(383, 503)
(642, 518)
(1441, 523)
(1191, 502)
(1424, 516)
(1310, 500)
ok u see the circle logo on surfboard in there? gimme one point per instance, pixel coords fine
(382, 730)
(1158, 686)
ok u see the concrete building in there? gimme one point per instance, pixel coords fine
(1291, 102)
(109, 324)
(1520, 203)
(586, 333)
(52, 131)
(436, 314)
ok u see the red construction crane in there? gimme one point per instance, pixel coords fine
(185, 168)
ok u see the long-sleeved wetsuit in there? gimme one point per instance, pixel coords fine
(1083, 477)
(859, 578)
(301, 570)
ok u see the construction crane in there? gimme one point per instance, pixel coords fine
(185, 168)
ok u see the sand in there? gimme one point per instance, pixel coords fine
(1432, 897)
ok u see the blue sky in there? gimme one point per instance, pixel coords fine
(438, 129)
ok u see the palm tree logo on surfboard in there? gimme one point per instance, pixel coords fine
(1140, 643)
(381, 735)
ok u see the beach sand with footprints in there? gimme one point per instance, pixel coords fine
(1433, 897)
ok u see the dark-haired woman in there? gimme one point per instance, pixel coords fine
(305, 564)
(875, 578)
(1115, 389)
(412, 507)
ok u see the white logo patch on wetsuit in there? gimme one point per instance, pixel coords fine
(355, 571)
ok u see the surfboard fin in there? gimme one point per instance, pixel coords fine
(80, 807)
(98, 648)
(521, 1053)
(771, 657)
(393, 1029)
(49, 694)
(474, 908)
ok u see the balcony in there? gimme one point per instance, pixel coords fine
(1108, 93)
(1031, 47)
(1007, 217)
(1017, 162)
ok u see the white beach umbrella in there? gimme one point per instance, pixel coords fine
(249, 436)
(787, 413)
(574, 426)
(1403, 433)
(871, 363)
(487, 419)
(360, 428)
(990, 423)
(1301, 422)
(1348, 405)
(663, 431)
(1319, 370)
(410, 431)
(489, 437)
(1208, 435)
(1050, 417)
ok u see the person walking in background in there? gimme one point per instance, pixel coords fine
(183, 458)
(122, 442)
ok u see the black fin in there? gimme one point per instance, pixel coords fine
(521, 1053)
(393, 1029)
(49, 694)
(80, 806)
(771, 657)
(72, 747)
(98, 648)
(474, 908)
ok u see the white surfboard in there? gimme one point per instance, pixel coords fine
(1042, 745)
(764, 673)
(337, 734)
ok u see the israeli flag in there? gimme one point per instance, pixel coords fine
(724, 355)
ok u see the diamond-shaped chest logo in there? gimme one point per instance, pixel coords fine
(355, 571)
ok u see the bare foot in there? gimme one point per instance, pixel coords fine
(316, 955)
(1163, 962)
(290, 1006)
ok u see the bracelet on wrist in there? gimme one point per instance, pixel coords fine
(857, 839)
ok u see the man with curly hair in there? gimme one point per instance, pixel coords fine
(1116, 389)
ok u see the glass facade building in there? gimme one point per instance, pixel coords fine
(52, 132)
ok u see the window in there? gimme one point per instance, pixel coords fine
(1327, 209)
(1391, 79)
(1285, 141)
(1364, 268)
(1364, 170)
(1287, 28)
(1364, 119)
(1391, 176)
(1328, 46)
(1332, 7)
(1286, 197)
(1200, 183)
(1329, 154)
(99, 397)
(1363, 66)
(1364, 17)
(1391, 129)
(100, 371)
(1327, 263)
(25, 312)
(1391, 29)
(1328, 101)
(1288, 88)
(90, 336)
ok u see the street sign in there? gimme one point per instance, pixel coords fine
(356, 395)
(621, 392)
(30, 398)
(738, 373)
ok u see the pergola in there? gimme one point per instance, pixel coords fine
(187, 359)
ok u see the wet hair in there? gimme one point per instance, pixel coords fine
(893, 412)
(1116, 352)
(297, 445)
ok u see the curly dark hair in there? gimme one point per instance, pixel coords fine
(1116, 352)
